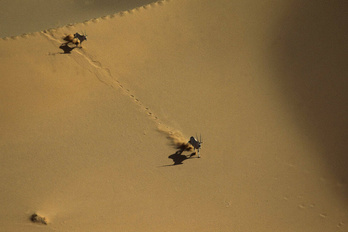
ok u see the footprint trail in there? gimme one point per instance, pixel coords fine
(104, 75)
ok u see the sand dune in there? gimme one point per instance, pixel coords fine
(87, 133)
(18, 17)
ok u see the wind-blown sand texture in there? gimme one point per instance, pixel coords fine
(87, 136)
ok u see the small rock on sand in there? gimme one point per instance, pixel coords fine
(38, 219)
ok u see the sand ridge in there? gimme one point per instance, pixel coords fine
(93, 20)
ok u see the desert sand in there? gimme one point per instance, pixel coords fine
(88, 136)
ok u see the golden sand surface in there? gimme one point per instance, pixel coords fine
(18, 16)
(87, 136)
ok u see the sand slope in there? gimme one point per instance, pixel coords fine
(84, 135)
(18, 17)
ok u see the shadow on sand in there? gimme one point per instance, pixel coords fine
(66, 48)
(178, 158)
(311, 58)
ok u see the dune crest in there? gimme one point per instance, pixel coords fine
(32, 16)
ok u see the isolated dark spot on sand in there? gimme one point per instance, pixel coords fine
(38, 219)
